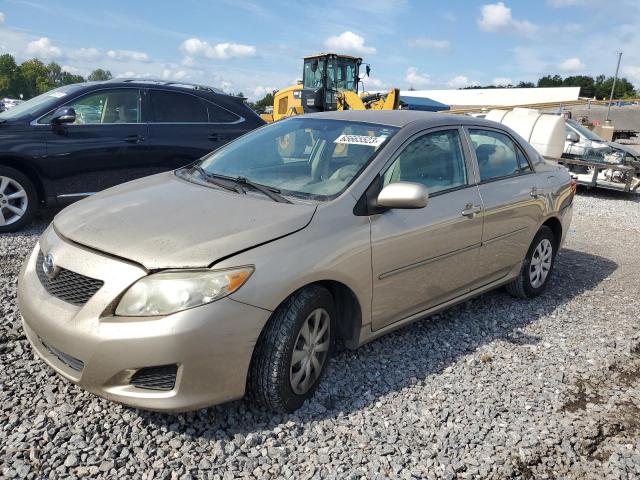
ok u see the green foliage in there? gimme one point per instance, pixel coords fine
(549, 81)
(99, 75)
(263, 103)
(32, 77)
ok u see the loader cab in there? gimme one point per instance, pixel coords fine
(324, 76)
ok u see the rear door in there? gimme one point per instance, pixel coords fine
(424, 257)
(184, 127)
(106, 145)
(511, 198)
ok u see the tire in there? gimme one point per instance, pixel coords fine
(17, 193)
(275, 381)
(526, 285)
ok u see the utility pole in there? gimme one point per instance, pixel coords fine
(613, 87)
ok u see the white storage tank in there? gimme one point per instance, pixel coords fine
(546, 133)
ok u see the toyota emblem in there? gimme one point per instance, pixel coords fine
(49, 266)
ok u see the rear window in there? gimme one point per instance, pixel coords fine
(175, 107)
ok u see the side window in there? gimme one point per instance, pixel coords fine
(435, 160)
(175, 107)
(497, 155)
(220, 115)
(105, 106)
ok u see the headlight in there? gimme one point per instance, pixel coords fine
(175, 290)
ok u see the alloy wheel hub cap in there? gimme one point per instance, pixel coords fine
(310, 351)
(13, 201)
(540, 263)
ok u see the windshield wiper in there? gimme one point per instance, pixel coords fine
(272, 193)
(212, 179)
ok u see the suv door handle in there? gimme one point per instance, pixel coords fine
(535, 193)
(134, 139)
(470, 210)
(217, 137)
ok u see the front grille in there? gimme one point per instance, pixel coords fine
(67, 285)
(72, 362)
(156, 378)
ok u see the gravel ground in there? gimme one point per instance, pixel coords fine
(493, 388)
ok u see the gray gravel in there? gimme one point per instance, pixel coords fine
(493, 388)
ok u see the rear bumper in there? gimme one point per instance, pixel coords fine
(210, 346)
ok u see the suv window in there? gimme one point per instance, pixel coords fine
(174, 107)
(435, 160)
(220, 115)
(119, 105)
(497, 155)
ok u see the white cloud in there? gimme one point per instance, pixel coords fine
(85, 54)
(423, 42)
(416, 79)
(502, 81)
(194, 47)
(460, 81)
(259, 92)
(633, 72)
(171, 74)
(496, 17)
(572, 64)
(373, 83)
(128, 56)
(1, 18)
(43, 48)
(348, 42)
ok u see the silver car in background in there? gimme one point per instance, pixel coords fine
(240, 273)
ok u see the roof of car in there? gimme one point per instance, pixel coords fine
(400, 118)
(156, 82)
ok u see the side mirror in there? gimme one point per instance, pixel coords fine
(573, 137)
(367, 70)
(403, 195)
(63, 115)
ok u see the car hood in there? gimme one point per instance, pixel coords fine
(163, 221)
(625, 148)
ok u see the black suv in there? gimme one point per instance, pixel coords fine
(79, 139)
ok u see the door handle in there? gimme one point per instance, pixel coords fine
(470, 210)
(535, 193)
(134, 139)
(216, 137)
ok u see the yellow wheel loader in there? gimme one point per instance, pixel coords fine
(329, 82)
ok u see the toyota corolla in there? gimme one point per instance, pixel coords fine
(240, 273)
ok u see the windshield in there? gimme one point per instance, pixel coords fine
(312, 158)
(39, 104)
(584, 131)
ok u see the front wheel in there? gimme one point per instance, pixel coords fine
(537, 266)
(18, 199)
(293, 350)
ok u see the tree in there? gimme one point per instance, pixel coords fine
(585, 82)
(36, 76)
(99, 75)
(264, 102)
(525, 85)
(624, 88)
(549, 81)
(11, 80)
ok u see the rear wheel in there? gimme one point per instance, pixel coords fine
(537, 266)
(293, 350)
(18, 199)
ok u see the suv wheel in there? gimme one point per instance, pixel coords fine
(293, 350)
(537, 266)
(18, 199)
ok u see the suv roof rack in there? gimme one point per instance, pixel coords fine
(169, 83)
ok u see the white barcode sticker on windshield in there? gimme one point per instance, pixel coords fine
(360, 140)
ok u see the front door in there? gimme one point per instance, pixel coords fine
(424, 257)
(106, 145)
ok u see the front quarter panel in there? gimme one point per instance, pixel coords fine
(334, 246)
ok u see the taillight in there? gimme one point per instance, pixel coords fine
(574, 185)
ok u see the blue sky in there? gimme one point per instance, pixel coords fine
(254, 46)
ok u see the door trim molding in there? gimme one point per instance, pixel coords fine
(428, 261)
(503, 236)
